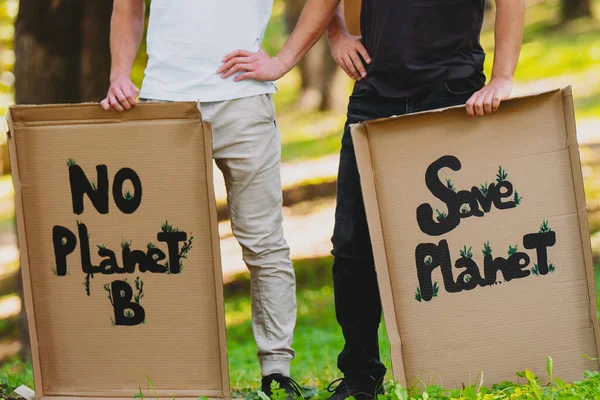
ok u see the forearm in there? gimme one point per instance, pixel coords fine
(337, 26)
(312, 23)
(510, 17)
(126, 32)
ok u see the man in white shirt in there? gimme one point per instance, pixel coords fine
(187, 40)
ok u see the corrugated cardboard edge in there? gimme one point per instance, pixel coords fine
(90, 113)
(360, 138)
(214, 226)
(573, 147)
(445, 109)
(24, 259)
(96, 114)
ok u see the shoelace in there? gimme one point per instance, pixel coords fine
(342, 385)
(296, 388)
(333, 390)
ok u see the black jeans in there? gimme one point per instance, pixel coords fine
(357, 301)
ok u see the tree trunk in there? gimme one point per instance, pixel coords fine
(62, 51)
(572, 9)
(62, 56)
(317, 68)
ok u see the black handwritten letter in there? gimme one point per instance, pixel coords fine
(64, 243)
(80, 185)
(84, 246)
(127, 205)
(428, 257)
(500, 195)
(173, 239)
(539, 242)
(442, 192)
(121, 297)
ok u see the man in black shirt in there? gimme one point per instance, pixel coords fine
(414, 55)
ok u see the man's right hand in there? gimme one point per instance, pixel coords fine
(122, 95)
(347, 50)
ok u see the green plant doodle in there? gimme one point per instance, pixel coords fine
(466, 253)
(545, 227)
(512, 250)
(125, 244)
(107, 289)
(440, 215)
(436, 289)
(535, 270)
(71, 162)
(483, 188)
(418, 296)
(464, 209)
(166, 227)
(139, 286)
(517, 199)
(501, 175)
(487, 250)
(428, 260)
(87, 284)
(551, 268)
(128, 195)
(450, 185)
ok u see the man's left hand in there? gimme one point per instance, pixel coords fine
(487, 100)
(258, 66)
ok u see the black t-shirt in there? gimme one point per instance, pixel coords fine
(415, 45)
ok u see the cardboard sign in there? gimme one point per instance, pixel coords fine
(119, 249)
(481, 241)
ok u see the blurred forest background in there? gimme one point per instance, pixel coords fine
(56, 51)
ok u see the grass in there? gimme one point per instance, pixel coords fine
(12, 375)
(317, 340)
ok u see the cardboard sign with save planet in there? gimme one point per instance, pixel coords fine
(481, 241)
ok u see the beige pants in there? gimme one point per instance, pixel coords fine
(247, 149)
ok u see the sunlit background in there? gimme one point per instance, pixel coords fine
(561, 47)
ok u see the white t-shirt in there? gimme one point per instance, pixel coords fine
(187, 40)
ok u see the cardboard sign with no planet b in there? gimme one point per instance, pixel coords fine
(481, 241)
(119, 249)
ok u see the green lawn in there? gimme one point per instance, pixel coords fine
(317, 342)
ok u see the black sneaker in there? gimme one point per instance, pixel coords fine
(363, 387)
(286, 383)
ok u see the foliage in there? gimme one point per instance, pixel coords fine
(466, 253)
(483, 188)
(545, 227)
(517, 199)
(440, 215)
(501, 175)
(418, 295)
(512, 250)
(487, 250)
(12, 375)
(139, 286)
(450, 185)
(436, 289)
